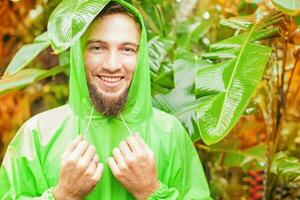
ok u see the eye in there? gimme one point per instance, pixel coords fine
(96, 49)
(129, 50)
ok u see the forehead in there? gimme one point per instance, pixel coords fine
(114, 28)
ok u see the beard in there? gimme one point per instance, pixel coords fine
(109, 107)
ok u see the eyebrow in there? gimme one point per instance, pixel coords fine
(103, 42)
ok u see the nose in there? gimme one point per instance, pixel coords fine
(112, 62)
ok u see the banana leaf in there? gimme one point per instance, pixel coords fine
(181, 101)
(27, 53)
(231, 80)
(162, 74)
(198, 103)
(70, 20)
(26, 77)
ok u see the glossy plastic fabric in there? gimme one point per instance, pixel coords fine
(32, 162)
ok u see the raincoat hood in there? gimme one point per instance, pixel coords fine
(138, 106)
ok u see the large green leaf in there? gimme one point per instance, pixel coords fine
(26, 77)
(234, 43)
(181, 101)
(70, 20)
(162, 74)
(290, 7)
(27, 53)
(231, 81)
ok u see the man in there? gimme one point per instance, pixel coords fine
(107, 142)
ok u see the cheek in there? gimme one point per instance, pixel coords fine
(130, 64)
(91, 62)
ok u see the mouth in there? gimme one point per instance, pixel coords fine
(111, 79)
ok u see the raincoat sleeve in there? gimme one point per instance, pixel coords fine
(21, 173)
(187, 179)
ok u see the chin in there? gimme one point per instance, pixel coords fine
(109, 103)
(112, 94)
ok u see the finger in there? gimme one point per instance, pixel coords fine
(97, 175)
(72, 146)
(140, 140)
(134, 144)
(118, 157)
(142, 143)
(125, 150)
(96, 158)
(91, 168)
(79, 150)
(88, 154)
(113, 166)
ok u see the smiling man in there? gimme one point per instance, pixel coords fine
(110, 59)
(108, 142)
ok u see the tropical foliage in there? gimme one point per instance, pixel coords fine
(209, 111)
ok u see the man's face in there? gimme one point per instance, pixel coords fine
(110, 57)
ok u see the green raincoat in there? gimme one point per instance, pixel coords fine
(32, 162)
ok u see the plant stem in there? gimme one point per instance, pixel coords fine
(148, 19)
(291, 77)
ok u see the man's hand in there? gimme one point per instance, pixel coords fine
(80, 171)
(133, 164)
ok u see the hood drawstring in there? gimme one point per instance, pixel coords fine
(131, 133)
(89, 122)
(90, 118)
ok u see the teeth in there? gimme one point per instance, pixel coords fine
(110, 79)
